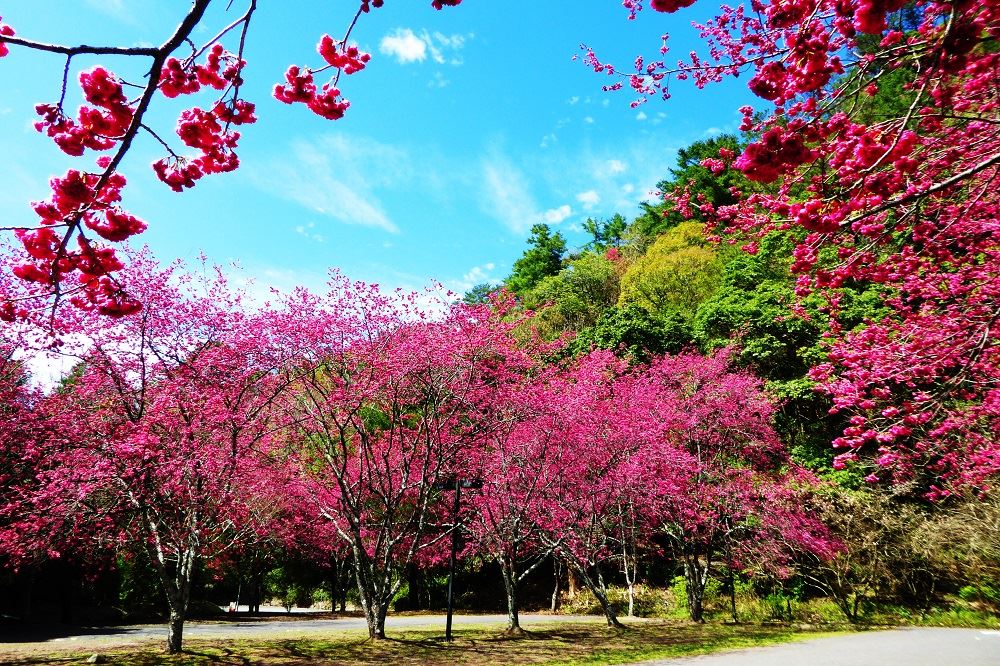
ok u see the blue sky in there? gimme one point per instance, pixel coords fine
(468, 126)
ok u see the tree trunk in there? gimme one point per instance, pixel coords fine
(370, 608)
(177, 589)
(373, 604)
(571, 584)
(510, 585)
(175, 631)
(557, 570)
(732, 594)
(599, 591)
(695, 579)
(335, 582)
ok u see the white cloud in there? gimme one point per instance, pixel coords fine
(557, 215)
(573, 100)
(116, 9)
(589, 120)
(404, 45)
(615, 166)
(309, 231)
(475, 276)
(510, 200)
(407, 46)
(337, 176)
(438, 81)
(589, 199)
(507, 197)
(641, 115)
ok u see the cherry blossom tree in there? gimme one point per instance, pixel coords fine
(681, 451)
(712, 475)
(879, 147)
(519, 468)
(390, 401)
(157, 435)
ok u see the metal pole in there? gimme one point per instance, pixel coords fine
(454, 554)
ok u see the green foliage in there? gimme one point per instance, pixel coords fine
(479, 294)
(542, 258)
(779, 337)
(678, 272)
(635, 333)
(292, 584)
(605, 233)
(982, 592)
(575, 297)
(716, 189)
(140, 595)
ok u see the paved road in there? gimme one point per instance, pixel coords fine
(905, 647)
(922, 646)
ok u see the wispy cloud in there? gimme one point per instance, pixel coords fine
(475, 276)
(337, 177)
(309, 231)
(438, 81)
(509, 198)
(115, 8)
(561, 185)
(612, 167)
(407, 46)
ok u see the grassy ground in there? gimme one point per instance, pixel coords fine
(563, 644)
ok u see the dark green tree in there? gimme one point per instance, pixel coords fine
(480, 293)
(779, 337)
(542, 258)
(605, 233)
(699, 182)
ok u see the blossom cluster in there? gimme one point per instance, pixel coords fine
(95, 128)
(177, 78)
(5, 31)
(326, 101)
(207, 131)
(93, 200)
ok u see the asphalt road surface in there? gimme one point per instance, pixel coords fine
(96, 638)
(924, 646)
(905, 647)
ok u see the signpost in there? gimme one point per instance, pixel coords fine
(455, 484)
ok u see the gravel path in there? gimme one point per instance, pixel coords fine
(924, 646)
